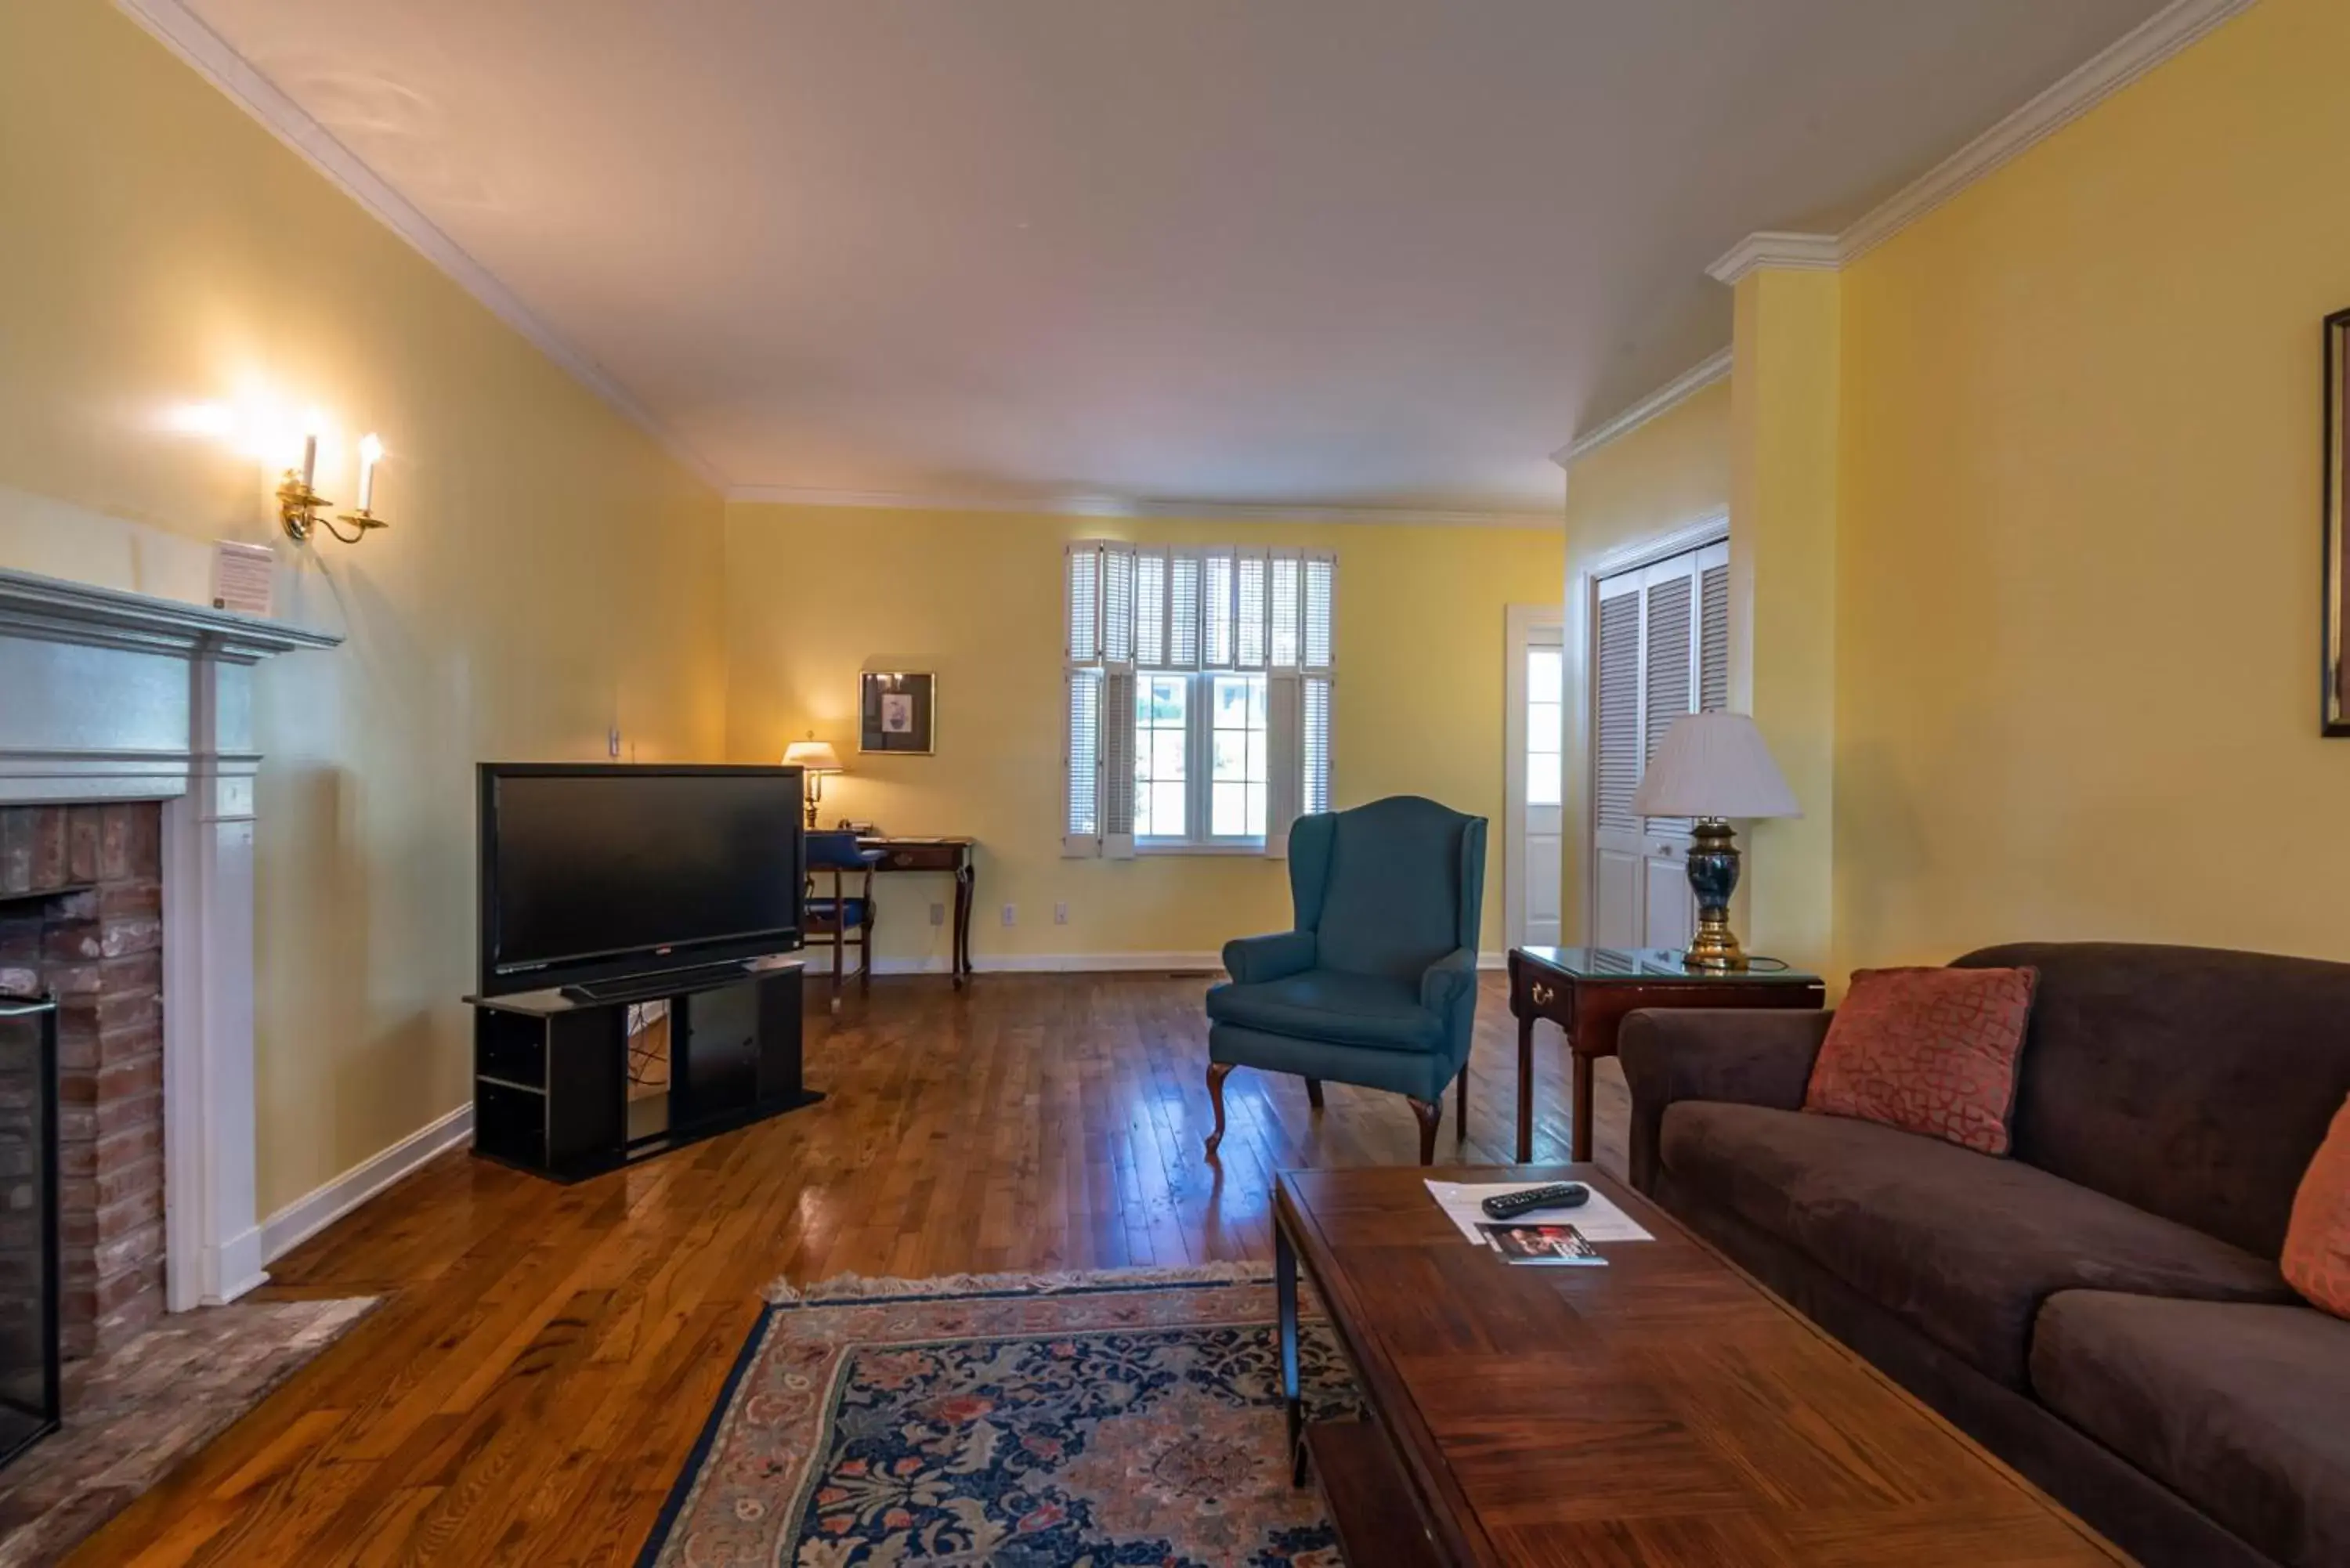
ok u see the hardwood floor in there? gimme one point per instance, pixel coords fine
(545, 1356)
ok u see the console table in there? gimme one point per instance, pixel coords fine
(1587, 991)
(950, 856)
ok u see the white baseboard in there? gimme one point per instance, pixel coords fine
(314, 1211)
(819, 972)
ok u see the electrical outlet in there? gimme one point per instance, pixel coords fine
(938, 914)
(612, 742)
(1060, 914)
(1011, 914)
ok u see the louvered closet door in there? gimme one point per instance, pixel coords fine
(1661, 651)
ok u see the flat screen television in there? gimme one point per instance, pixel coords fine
(599, 872)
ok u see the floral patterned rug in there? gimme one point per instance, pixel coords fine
(1028, 1421)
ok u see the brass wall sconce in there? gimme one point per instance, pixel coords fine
(303, 510)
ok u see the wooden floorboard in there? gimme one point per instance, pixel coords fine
(545, 1356)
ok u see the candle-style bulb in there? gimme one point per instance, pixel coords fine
(371, 453)
(310, 458)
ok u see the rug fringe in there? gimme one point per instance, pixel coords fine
(856, 1287)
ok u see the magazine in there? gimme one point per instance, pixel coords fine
(1550, 1244)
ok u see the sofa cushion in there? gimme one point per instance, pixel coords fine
(1961, 1246)
(1327, 1004)
(2191, 1083)
(1930, 1051)
(2317, 1244)
(2239, 1408)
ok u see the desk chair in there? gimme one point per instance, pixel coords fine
(1378, 985)
(830, 920)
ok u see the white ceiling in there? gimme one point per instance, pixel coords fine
(1319, 253)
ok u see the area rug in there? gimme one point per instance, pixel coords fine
(134, 1412)
(1031, 1421)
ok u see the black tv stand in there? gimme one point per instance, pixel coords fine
(552, 1090)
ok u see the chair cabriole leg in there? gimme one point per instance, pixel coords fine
(1217, 1073)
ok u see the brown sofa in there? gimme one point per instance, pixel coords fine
(2103, 1309)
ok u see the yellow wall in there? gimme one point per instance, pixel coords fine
(812, 595)
(550, 572)
(2078, 591)
(1782, 568)
(1660, 479)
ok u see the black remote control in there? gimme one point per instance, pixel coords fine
(1557, 1195)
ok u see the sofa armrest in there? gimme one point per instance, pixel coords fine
(1760, 1056)
(1251, 960)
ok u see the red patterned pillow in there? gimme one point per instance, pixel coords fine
(2316, 1260)
(1928, 1051)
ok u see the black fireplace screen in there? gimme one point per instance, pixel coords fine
(28, 1222)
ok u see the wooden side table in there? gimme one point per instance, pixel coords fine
(1587, 991)
(952, 857)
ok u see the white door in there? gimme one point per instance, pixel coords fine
(1660, 650)
(1536, 728)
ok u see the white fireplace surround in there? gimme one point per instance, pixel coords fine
(113, 696)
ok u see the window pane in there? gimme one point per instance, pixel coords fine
(1545, 668)
(1162, 732)
(1544, 726)
(1256, 810)
(1231, 756)
(1228, 810)
(1167, 810)
(1543, 778)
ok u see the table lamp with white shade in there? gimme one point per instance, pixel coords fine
(817, 758)
(1713, 767)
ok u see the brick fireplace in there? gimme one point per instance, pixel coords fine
(81, 917)
(127, 823)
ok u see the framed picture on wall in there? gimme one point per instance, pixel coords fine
(897, 711)
(2334, 694)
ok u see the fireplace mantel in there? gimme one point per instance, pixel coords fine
(107, 695)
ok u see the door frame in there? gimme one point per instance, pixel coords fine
(1520, 623)
(1581, 641)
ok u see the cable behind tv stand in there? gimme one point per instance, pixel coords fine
(554, 1092)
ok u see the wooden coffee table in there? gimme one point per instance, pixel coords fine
(1662, 1411)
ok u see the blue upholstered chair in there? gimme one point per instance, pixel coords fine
(1378, 985)
(835, 919)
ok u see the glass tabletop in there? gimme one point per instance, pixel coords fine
(1655, 963)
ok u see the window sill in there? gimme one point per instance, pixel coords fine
(1172, 846)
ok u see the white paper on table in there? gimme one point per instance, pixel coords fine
(1596, 1219)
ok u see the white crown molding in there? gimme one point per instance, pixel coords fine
(1110, 506)
(2167, 32)
(186, 34)
(1688, 384)
(1788, 252)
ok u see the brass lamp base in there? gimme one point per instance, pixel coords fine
(1712, 877)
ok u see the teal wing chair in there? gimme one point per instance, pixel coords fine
(1378, 985)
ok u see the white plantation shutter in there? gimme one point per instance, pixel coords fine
(1713, 628)
(1620, 752)
(1314, 742)
(1250, 609)
(1150, 609)
(1284, 740)
(1081, 822)
(1217, 609)
(1672, 673)
(1132, 610)
(1183, 610)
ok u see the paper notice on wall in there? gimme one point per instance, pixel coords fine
(1596, 1219)
(245, 577)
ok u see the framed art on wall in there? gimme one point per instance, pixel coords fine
(897, 711)
(2334, 693)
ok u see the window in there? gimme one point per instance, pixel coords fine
(1545, 726)
(1198, 697)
